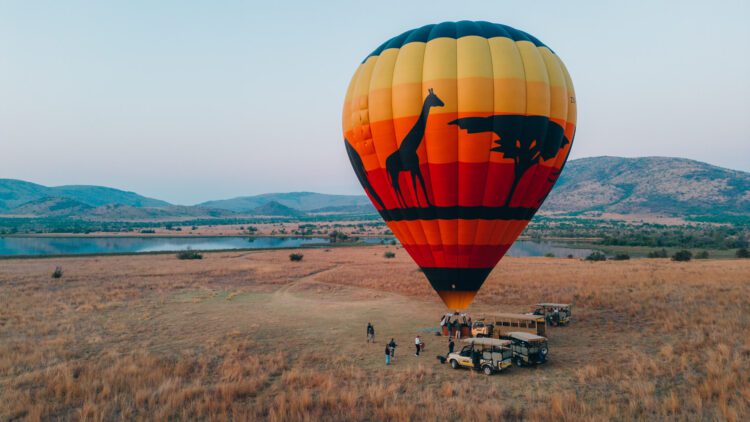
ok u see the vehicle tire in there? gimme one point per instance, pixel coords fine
(454, 364)
(518, 362)
(487, 370)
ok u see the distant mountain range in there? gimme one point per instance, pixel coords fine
(648, 186)
(302, 201)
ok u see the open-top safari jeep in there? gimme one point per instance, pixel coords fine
(554, 313)
(528, 349)
(488, 355)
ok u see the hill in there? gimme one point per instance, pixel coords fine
(649, 186)
(302, 201)
(275, 209)
(14, 193)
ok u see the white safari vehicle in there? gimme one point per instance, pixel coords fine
(488, 355)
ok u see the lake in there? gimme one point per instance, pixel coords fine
(45, 246)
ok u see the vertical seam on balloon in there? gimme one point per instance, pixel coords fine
(442, 244)
(431, 210)
(504, 230)
(405, 226)
(539, 184)
(422, 144)
(457, 136)
(489, 152)
(543, 135)
(374, 144)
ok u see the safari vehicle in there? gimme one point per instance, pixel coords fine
(497, 325)
(488, 355)
(554, 313)
(528, 349)
(482, 328)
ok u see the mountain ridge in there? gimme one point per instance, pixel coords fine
(653, 186)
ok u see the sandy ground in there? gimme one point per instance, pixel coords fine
(253, 335)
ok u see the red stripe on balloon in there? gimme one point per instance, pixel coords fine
(456, 256)
(483, 184)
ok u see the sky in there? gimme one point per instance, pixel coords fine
(189, 101)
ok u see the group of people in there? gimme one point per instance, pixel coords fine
(456, 324)
(390, 347)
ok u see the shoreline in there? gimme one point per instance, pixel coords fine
(90, 255)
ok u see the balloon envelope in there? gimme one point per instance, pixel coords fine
(457, 133)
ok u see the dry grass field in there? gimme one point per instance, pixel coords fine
(251, 335)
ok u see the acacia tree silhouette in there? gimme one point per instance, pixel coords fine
(524, 139)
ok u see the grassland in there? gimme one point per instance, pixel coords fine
(251, 335)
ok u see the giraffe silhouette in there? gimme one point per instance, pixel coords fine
(405, 158)
(359, 170)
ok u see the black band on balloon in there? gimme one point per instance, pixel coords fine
(452, 213)
(456, 279)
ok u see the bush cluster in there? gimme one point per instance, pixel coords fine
(682, 256)
(596, 256)
(189, 254)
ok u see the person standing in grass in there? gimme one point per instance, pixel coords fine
(392, 346)
(387, 354)
(370, 333)
(417, 345)
(451, 346)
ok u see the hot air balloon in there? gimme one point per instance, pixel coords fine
(457, 132)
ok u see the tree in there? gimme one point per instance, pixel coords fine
(524, 139)
(682, 256)
(743, 253)
(596, 256)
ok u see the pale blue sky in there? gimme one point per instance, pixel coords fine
(190, 101)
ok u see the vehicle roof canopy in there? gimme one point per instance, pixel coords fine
(526, 336)
(557, 305)
(514, 316)
(486, 341)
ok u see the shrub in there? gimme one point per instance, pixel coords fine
(393, 242)
(189, 254)
(682, 256)
(742, 253)
(58, 273)
(389, 254)
(148, 231)
(549, 255)
(621, 257)
(570, 256)
(596, 256)
(658, 254)
(296, 257)
(701, 255)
